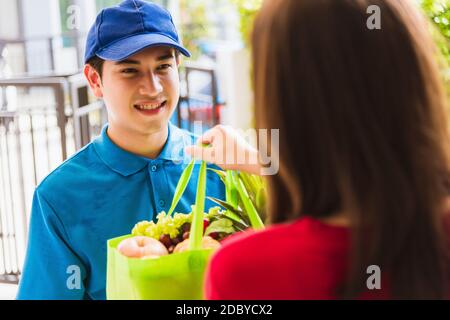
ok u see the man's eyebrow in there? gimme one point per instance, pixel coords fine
(166, 56)
(131, 61)
(127, 61)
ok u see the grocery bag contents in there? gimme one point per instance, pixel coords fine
(142, 247)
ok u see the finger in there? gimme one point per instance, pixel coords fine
(200, 153)
(210, 135)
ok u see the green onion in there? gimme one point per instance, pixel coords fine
(232, 213)
(220, 173)
(181, 185)
(231, 191)
(260, 200)
(255, 219)
(196, 232)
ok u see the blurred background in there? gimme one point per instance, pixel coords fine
(47, 112)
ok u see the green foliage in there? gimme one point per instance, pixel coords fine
(194, 25)
(439, 13)
(101, 4)
(220, 226)
(63, 5)
(245, 202)
(437, 10)
(247, 11)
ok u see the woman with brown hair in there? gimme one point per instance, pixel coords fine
(363, 158)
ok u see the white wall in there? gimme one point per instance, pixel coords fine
(9, 29)
(8, 291)
(233, 68)
(40, 18)
(9, 25)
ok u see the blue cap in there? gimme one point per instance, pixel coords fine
(125, 29)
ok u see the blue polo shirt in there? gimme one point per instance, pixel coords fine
(99, 193)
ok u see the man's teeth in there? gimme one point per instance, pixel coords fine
(148, 106)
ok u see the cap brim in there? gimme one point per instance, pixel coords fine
(124, 48)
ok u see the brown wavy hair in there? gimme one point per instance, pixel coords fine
(363, 130)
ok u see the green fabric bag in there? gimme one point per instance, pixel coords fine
(177, 276)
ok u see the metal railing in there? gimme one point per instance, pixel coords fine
(9, 269)
(36, 135)
(44, 52)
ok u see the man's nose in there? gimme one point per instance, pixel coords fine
(151, 85)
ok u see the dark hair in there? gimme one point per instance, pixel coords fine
(363, 130)
(97, 63)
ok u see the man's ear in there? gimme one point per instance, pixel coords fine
(94, 80)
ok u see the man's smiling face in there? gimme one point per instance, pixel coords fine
(142, 91)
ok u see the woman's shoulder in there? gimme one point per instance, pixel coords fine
(252, 258)
(280, 238)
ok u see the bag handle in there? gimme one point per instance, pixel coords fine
(196, 231)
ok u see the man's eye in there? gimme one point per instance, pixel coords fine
(129, 71)
(164, 66)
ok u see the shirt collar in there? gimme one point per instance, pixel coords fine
(127, 163)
